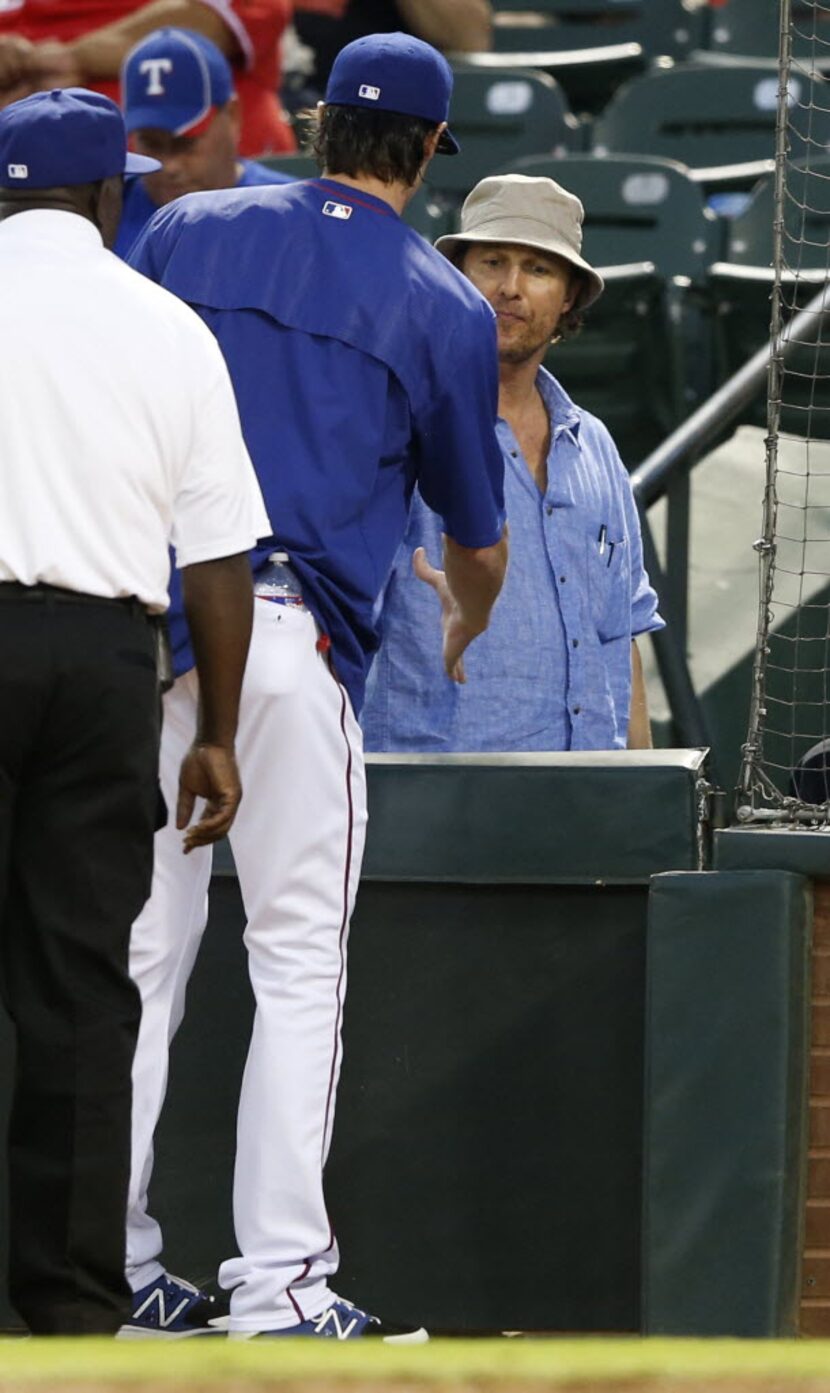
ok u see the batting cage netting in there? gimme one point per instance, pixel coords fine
(785, 773)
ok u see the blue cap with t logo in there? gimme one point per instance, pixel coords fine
(394, 72)
(70, 136)
(174, 80)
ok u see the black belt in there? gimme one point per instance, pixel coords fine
(14, 590)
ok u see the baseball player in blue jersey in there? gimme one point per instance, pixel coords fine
(179, 100)
(363, 362)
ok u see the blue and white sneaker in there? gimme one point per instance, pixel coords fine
(343, 1321)
(171, 1309)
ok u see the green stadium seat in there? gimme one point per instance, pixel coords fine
(589, 76)
(806, 220)
(593, 45)
(661, 26)
(740, 297)
(720, 123)
(430, 216)
(625, 366)
(751, 27)
(500, 116)
(637, 208)
(740, 290)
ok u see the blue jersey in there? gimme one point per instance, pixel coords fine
(362, 363)
(139, 207)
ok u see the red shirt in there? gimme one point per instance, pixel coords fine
(257, 26)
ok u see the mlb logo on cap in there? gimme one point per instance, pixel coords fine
(59, 139)
(174, 80)
(397, 73)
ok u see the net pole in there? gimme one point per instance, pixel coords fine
(752, 776)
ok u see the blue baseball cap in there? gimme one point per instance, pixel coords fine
(174, 80)
(70, 136)
(394, 72)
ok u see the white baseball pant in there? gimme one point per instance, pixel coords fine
(298, 844)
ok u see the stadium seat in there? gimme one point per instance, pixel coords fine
(430, 215)
(637, 208)
(625, 366)
(806, 220)
(740, 288)
(741, 297)
(752, 27)
(589, 76)
(661, 26)
(721, 123)
(499, 116)
(594, 45)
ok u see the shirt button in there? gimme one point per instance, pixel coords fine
(575, 642)
(514, 454)
(548, 508)
(577, 710)
(562, 580)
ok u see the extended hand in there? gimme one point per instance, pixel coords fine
(209, 772)
(456, 634)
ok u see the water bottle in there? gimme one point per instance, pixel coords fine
(277, 583)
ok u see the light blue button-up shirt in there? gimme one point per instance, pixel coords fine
(553, 670)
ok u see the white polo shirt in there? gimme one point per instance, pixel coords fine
(119, 431)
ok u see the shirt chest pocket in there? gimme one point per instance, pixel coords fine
(608, 585)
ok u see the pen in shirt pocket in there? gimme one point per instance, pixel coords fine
(603, 533)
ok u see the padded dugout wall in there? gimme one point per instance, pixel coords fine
(726, 1102)
(486, 1166)
(805, 851)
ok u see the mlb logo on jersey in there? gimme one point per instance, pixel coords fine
(372, 94)
(18, 171)
(337, 210)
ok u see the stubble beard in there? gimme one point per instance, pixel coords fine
(519, 353)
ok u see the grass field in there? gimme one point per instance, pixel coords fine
(447, 1366)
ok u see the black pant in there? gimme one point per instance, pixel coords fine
(79, 728)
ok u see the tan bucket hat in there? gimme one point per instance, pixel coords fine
(529, 211)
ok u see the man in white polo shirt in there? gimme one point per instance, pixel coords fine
(120, 436)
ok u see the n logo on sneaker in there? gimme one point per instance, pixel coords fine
(165, 1318)
(339, 1331)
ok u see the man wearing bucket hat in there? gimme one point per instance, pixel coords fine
(558, 668)
(181, 109)
(119, 429)
(362, 361)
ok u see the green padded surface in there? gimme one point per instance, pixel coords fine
(486, 1166)
(727, 1018)
(796, 849)
(618, 816)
